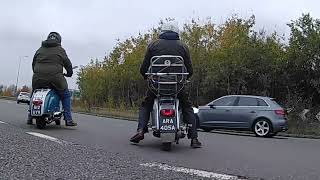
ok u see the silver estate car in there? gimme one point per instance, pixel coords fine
(262, 115)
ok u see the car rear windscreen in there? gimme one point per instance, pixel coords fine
(273, 100)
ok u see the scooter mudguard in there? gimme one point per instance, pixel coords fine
(168, 124)
(44, 101)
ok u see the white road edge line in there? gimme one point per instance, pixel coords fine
(200, 173)
(1, 122)
(53, 139)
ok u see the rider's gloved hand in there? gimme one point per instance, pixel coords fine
(145, 77)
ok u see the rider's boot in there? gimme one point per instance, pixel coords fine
(138, 136)
(29, 120)
(71, 123)
(195, 143)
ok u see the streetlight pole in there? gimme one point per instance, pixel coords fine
(20, 58)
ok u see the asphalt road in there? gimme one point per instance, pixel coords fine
(99, 148)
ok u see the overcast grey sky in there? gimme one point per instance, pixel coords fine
(90, 28)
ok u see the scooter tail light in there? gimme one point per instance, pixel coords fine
(37, 102)
(168, 112)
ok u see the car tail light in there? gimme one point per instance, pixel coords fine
(280, 112)
(37, 102)
(168, 112)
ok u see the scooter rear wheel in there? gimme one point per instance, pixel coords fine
(166, 146)
(41, 123)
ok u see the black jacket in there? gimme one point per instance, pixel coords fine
(167, 46)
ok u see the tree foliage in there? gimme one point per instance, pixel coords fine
(231, 58)
(10, 90)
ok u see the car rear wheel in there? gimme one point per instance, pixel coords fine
(263, 128)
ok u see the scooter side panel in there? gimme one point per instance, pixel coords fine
(52, 102)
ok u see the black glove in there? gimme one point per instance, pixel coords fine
(67, 75)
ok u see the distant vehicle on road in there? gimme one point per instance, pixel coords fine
(262, 115)
(23, 97)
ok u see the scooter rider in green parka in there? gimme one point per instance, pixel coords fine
(48, 63)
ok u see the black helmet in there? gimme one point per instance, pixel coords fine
(54, 36)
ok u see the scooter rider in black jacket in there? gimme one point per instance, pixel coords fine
(168, 43)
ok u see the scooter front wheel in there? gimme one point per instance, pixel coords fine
(41, 123)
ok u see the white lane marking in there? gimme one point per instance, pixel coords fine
(1, 122)
(59, 141)
(200, 173)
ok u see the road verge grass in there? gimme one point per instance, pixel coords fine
(108, 112)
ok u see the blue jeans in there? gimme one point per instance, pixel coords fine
(66, 104)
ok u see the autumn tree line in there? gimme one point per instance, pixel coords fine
(229, 58)
(11, 90)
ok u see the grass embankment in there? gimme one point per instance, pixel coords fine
(304, 128)
(108, 112)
